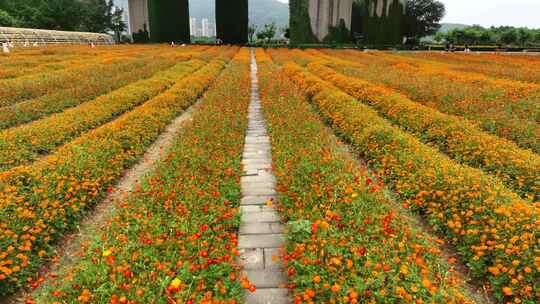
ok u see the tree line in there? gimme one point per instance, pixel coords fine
(99, 16)
(503, 35)
(412, 19)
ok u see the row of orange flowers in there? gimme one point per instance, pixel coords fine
(43, 201)
(509, 88)
(460, 139)
(104, 80)
(347, 243)
(35, 85)
(506, 109)
(175, 239)
(26, 143)
(24, 62)
(511, 66)
(494, 230)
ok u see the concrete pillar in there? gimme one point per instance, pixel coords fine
(138, 15)
(326, 13)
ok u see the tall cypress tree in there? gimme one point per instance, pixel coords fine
(386, 29)
(169, 20)
(232, 21)
(300, 23)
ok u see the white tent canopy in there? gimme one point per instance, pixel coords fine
(21, 36)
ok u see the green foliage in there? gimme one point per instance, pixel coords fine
(338, 34)
(422, 17)
(378, 30)
(67, 15)
(299, 230)
(300, 24)
(117, 24)
(417, 19)
(6, 19)
(97, 15)
(268, 32)
(232, 21)
(28, 13)
(169, 20)
(504, 35)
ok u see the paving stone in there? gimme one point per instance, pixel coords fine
(264, 156)
(266, 191)
(260, 241)
(256, 161)
(272, 259)
(256, 228)
(261, 233)
(261, 228)
(256, 208)
(264, 179)
(269, 296)
(257, 164)
(260, 217)
(252, 259)
(277, 227)
(257, 140)
(257, 199)
(257, 185)
(259, 150)
(251, 172)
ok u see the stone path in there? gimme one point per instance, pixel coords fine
(261, 233)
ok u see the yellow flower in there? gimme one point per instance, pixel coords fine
(404, 270)
(107, 252)
(176, 283)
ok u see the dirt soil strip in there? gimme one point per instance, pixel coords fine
(71, 246)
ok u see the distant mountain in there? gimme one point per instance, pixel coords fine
(260, 11)
(447, 27)
(263, 12)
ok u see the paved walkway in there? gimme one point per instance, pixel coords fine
(261, 233)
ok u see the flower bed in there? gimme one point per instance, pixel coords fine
(102, 82)
(460, 139)
(39, 203)
(26, 143)
(504, 108)
(346, 242)
(174, 240)
(495, 231)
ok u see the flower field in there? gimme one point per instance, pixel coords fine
(399, 177)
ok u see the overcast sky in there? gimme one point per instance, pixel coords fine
(492, 12)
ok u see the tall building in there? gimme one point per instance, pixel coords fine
(205, 27)
(138, 16)
(212, 29)
(193, 26)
